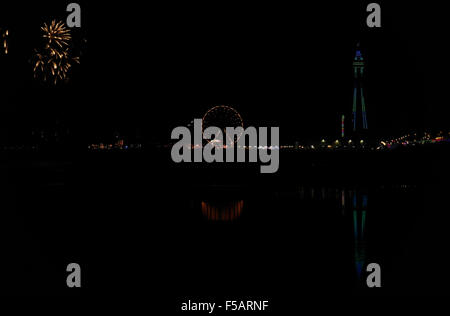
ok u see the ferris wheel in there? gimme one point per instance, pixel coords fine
(223, 116)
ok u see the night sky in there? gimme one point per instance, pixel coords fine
(145, 70)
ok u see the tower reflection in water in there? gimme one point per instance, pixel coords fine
(219, 210)
(353, 204)
(359, 226)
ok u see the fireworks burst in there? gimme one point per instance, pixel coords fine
(56, 33)
(54, 62)
(4, 40)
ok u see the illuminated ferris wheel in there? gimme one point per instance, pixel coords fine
(223, 116)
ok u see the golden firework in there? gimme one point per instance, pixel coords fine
(56, 32)
(53, 63)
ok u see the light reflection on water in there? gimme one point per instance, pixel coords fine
(359, 206)
(351, 204)
(219, 210)
(354, 202)
(350, 201)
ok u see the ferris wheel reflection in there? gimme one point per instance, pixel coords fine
(219, 210)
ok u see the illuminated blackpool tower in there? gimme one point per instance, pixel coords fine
(359, 115)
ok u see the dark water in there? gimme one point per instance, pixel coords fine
(137, 227)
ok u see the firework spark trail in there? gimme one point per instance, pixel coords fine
(4, 40)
